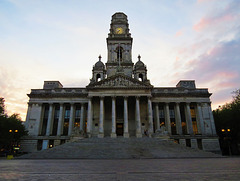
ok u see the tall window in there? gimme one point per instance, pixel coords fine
(194, 121)
(119, 52)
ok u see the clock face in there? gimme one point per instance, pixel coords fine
(119, 30)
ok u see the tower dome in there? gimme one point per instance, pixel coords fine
(139, 64)
(99, 65)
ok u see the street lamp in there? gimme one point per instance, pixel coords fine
(227, 138)
(13, 142)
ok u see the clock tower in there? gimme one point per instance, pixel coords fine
(119, 45)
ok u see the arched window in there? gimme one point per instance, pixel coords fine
(98, 77)
(119, 52)
(140, 77)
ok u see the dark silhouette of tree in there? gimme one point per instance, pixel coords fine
(11, 129)
(227, 121)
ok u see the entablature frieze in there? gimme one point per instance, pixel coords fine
(180, 100)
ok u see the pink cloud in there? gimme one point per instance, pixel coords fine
(179, 33)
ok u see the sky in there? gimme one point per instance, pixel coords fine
(61, 40)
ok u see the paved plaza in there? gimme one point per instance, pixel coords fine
(124, 169)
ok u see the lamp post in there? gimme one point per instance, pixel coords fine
(14, 145)
(227, 138)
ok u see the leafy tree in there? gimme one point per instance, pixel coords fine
(11, 128)
(227, 121)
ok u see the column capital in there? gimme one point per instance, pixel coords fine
(199, 104)
(149, 97)
(61, 103)
(167, 103)
(113, 97)
(101, 97)
(137, 97)
(177, 103)
(187, 103)
(125, 97)
(50, 103)
(72, 103)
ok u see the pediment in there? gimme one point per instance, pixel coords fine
(120, 81)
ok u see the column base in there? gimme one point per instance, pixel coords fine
(126, 135)
(139, 135)
(100, 135)
(113, 135)
(89, 135)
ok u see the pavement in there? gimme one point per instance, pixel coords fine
(121, 169)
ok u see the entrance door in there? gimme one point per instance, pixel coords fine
(119, 129)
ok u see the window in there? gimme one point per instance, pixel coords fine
(140, 77)
(77, 114)
(67, 114)
(98, 77)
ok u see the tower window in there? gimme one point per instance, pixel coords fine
(119, 52)
(140, 77)
(98, 77)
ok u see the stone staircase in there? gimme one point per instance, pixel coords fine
(119, 148)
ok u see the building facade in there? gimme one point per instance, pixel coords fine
(119, 101)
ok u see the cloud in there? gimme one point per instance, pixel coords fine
(219, 18)
(218, 69)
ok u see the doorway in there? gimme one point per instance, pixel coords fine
(119, 130)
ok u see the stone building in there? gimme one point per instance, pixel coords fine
(120, 101)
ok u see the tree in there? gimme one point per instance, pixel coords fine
(11, 129)
(227, 121)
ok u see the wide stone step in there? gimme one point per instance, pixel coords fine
(120, 148)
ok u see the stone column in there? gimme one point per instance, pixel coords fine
(200, 119)
(41, 118)
(60, 120)
(71, 120)
(50, 120)
(150, 117)
(138, 119)
(113, 133)
(28, 115)
(178, 119)
(89, 120)
(157, 116)
(101, 118)
(188, 118)
(212, 120)
(82, 118)
(126, 134)
(167, 118)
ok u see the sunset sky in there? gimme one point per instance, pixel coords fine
(61, 40)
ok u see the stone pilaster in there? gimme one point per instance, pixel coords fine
(200, 119)
(89, 120)
(138, 119)
(101, 118)
(71, 120)
(150, 117)
(188, 118)
(50, 120)
(39, 118)
(125, 134)
(167, 117)
(60, 120)
(113, 133)
(82, 118)
(212, 120)
(157, 116)
(178, 119)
